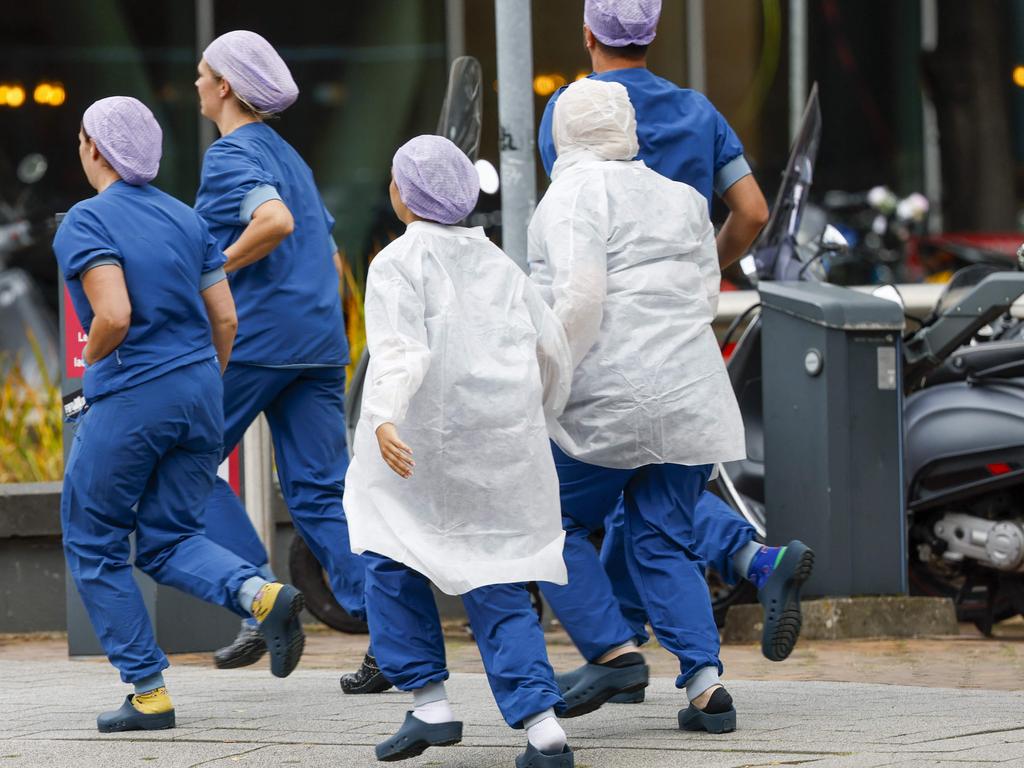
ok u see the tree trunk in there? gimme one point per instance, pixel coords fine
(969, 88)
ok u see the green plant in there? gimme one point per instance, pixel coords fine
(352, 296)
(31, 425)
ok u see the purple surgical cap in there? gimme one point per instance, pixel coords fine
(127, 135)
(435, 179)
(255, 71)
(619, 23)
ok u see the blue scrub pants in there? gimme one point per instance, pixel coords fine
(659, 503)
(305, 408)
(143, 460)
(407, 638)
(719, 533)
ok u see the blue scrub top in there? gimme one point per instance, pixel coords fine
(167, 255)
(289, 309)
(682, 136)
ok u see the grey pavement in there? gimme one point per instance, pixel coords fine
(248, 718)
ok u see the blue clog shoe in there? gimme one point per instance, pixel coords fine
(718, 715)
(415, 736)
(780, 598)
(128, 718)
(597, 683)
(534, 758)
(278, 612)
(567, 680)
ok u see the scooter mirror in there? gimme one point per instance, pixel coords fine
(889, 293)
(833, 240)
(32, 168)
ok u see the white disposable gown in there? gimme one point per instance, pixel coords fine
(627, 259)
(467, 361)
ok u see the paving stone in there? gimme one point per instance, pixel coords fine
(248, 718)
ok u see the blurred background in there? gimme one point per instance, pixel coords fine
(922, 107)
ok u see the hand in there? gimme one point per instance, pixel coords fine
(395, 453)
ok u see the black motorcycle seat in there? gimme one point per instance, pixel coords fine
(966, 362)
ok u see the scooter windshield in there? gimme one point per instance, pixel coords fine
(774, 249)
(961, 284)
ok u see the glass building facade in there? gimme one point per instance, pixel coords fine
(372, 74)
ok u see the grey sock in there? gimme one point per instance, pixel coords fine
(702, 679)
(150, 683)
(248, 591)
(742, 559)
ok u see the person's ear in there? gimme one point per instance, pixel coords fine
(94, 153)
(589, 41)
(224, 88)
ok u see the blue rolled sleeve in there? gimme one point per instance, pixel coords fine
(730, 173)
(101, 261)
(211, 278)
(256, 197)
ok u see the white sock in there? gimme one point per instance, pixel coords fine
(430, 704)
(544, 732)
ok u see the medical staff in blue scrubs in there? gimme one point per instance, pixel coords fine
(147, 281)
(683, 137)
(261, 203)
(628, 261)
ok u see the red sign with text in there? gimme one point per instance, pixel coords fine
(74, 341)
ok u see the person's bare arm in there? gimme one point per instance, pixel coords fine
(748, 213)
(220, 308)
(338, 265)
(111, 308)
(271, 223)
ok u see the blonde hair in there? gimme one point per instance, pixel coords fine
(248, 108)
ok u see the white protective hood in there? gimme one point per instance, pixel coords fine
(467, 361)
(596, 115)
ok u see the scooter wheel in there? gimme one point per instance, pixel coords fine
(309, 577)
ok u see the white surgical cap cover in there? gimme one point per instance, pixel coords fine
(598, 116)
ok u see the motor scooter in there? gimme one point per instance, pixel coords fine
(963, 380)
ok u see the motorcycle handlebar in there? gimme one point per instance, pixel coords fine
(928, 347)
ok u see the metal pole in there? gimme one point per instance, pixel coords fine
(204, 36)
(516, 139)
(696, 66)
(797, 63)
(930, 123)
(258, 483)
(455, 28)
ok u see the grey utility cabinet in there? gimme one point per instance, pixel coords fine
(833, 402)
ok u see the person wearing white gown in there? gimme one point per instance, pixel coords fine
(627, 259)
(452, 479)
